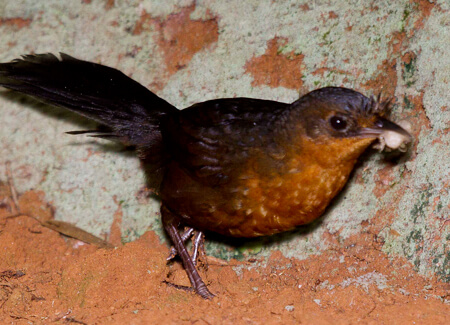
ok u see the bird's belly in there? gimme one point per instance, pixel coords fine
(263, 207)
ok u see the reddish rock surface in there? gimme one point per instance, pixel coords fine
(16, 22)
(179, 37)
(277, 70)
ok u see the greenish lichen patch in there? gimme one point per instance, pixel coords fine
(412, 243)
(405, 16)
(441, 263)
(408, 71)
(419, 208)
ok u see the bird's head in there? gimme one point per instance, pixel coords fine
(343, 122)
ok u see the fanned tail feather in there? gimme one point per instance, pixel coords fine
(103, 94)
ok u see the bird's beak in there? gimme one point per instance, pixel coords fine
(383, 125)
(390, 134)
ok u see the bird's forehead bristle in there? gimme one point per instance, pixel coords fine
(375, 106)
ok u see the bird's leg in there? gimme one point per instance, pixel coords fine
(199, 247)
(169, 222)
(184, 237)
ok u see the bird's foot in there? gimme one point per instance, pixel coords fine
(184, 237)
(170, 223)
(198, 247)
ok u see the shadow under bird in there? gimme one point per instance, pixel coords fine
(240, 167)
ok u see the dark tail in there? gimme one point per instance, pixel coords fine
(130, 111)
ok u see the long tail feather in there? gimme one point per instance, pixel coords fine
(98, 92)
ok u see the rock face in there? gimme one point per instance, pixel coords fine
(190, 51)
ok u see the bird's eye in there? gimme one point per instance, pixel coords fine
(338, 123)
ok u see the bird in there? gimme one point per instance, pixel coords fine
(239, 167)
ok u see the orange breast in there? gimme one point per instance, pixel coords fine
(269, 204)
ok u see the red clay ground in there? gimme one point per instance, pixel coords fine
(46, 278)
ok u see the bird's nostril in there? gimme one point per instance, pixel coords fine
(379, 123)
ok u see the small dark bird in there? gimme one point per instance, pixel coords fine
(240, 167)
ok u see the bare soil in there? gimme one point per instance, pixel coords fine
(47, 278)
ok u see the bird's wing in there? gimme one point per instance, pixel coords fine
(213, 139)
